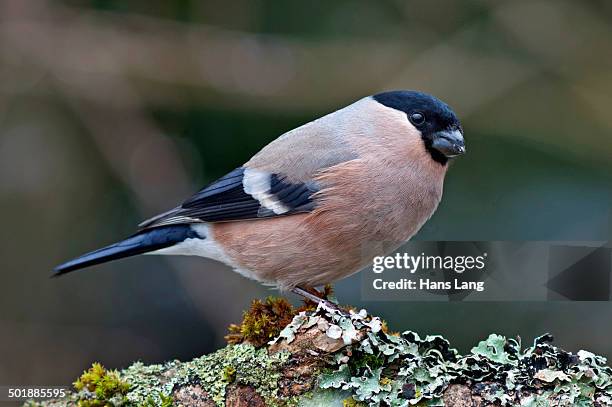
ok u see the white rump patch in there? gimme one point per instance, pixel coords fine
(205, 247)
(257, 184)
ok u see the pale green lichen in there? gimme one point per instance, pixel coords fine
(361, 364)
(327, 398)
(402, 370)
(250, 366)
(494, 349)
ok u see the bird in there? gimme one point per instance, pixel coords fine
(318, 203)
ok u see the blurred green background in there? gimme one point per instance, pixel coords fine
(112, 111)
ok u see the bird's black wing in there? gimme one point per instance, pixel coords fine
(242, 194)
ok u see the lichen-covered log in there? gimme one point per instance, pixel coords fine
(329, 357)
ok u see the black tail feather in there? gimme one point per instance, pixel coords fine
(142, 242)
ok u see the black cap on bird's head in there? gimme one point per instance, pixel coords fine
(439, 126)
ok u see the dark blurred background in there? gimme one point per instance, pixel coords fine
(111, 111)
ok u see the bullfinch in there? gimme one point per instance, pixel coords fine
(319, 202)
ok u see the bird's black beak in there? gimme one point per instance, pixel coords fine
(449, 142)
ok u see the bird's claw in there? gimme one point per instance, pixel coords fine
(308, 295)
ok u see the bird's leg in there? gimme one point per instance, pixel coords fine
(317, 300)
(307, 295)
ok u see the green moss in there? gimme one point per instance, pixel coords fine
(262, 322)
(373, 367)
(361, 360)
(351, 402)
(384, 381)
(229, 374)
(167, 401)
(98, 386)
(160, 401)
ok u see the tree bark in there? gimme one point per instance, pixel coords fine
(331, 357)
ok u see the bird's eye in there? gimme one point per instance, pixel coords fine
(417, 118)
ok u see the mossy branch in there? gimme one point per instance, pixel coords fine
(280, 356)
